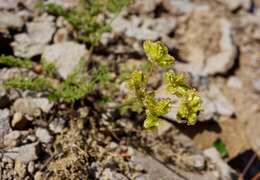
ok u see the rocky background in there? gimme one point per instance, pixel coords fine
(217, 43)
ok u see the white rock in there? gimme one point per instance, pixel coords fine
(223, 168)
(225, 59)
(235, 4)
(57, 125)
(32, 43)
(178, 6)
(234, 82)
(24, 154)
(43, 135)
(12, 139)
(32, 106)
(223, 106)
(10, 20)
(67, 4)
(8, 4)
(66, 56)
(4, 124)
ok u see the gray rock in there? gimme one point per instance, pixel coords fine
(32, 106)
(223, 106)
(141, 6)
(235, 4)
(30, 4)
(8, 4)
(234, 82)
(12, 139)
(24, 154)
(157, 170)
(66, 56)
(67, 4)
(178, 6)
(57, 125)
(109, 174)
(224, 170)
(4, 124)
(145, 28)
(10, 20)
(31, 167)
(32, 43)
(256, 85)
(43, 135)
(225, 59)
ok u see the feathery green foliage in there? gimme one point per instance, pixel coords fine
(49, 68)
(190, 101)
(16, 62)
(75, 87)
(84, 18)
(27, 83)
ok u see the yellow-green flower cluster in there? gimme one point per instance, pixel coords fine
(190, 101)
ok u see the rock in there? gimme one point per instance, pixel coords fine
(225, 59)
(30, 4)
(4, 124)
(209, 108)
(10, 73)
(10, 20)
(208, 50)
(234, 82)
(39, 175)
(178, 6)
(109, 174)
(156, 170)
(145, 28)
(235, 4)
(39, 33)
(4, 99)
(43, 135)
(57, 125)
(8, 4)
(164, 127)
(143, 7)
(224, 169)
(223, 106)
(18, 122)
(31, 167)
(66, 56)
(25, 153)
(12, 139)
(256, 85)
(32, 106)
(67, 4)
(20, 169)
(61, 35)
(199, 161)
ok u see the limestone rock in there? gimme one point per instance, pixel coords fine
(32, 43)
(25, 153)
(66, 56)
(4, 123)
(32, 106)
